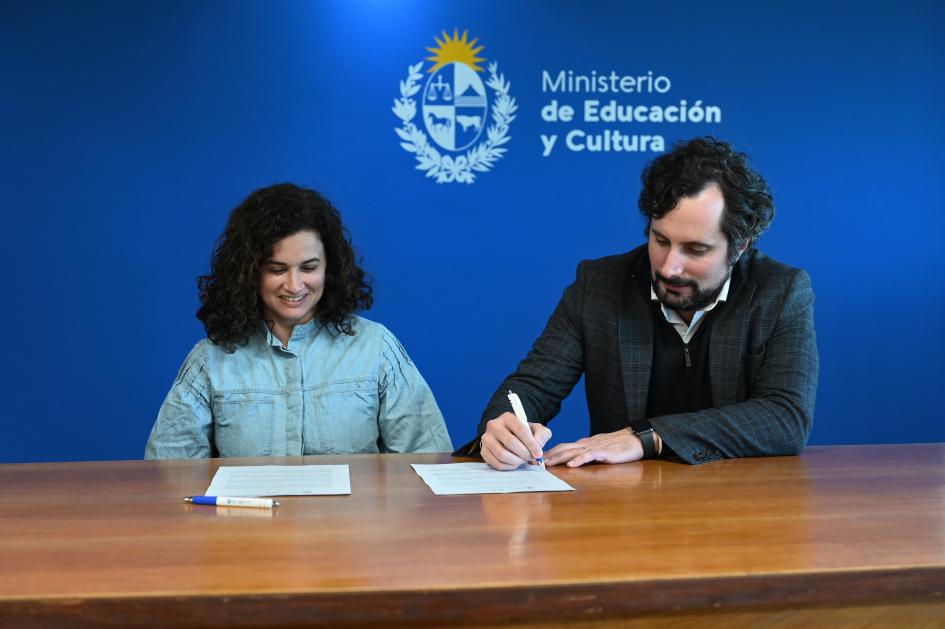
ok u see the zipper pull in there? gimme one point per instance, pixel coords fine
(685, 348)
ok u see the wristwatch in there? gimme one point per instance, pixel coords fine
(644, 432)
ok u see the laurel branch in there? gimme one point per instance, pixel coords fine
(480, 158)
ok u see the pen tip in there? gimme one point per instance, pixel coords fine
(188, 499)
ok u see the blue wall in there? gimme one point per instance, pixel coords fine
(129, 130)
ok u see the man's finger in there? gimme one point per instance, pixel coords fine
(490, 457)
(586, 455)
(524, 434)
(541, 433)
(515, 436)
(562, 453)
(511, 443)
(503, 452)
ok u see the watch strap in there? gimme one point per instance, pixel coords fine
(648, 440)
(643, 429)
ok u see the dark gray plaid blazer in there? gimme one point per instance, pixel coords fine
(763, 360)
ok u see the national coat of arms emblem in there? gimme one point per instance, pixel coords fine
(454, 108)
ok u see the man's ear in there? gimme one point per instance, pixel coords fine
(741, 250)
(744, 247)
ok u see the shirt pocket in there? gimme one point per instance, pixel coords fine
(346, 416)
(242, 424)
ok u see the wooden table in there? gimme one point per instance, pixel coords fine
(840, 534)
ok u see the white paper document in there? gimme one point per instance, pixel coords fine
(280, 480)
(449, 479)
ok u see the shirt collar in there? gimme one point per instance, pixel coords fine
(298, 332)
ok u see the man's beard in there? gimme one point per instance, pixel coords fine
(700, 297)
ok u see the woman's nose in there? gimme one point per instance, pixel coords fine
(293, 281)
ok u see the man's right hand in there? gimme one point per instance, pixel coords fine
(508, 443)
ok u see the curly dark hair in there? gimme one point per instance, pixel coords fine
(229, 295)
(691, 166)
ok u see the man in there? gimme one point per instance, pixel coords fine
(695, 344)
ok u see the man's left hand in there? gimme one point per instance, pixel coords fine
(621, 446)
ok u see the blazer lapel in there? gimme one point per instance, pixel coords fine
(727, 344)
(635, 338)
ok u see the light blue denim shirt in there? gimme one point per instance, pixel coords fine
(327, 392)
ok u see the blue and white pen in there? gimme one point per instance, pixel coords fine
(221, 501)
(520, 413)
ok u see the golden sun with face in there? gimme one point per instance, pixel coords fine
(455, 48)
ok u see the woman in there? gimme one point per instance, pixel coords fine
(287, 368)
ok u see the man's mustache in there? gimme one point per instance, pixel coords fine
(675, 281)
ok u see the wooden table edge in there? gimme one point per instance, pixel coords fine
(519, 603)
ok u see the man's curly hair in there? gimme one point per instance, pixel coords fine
(689, 168)
(231, 308)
